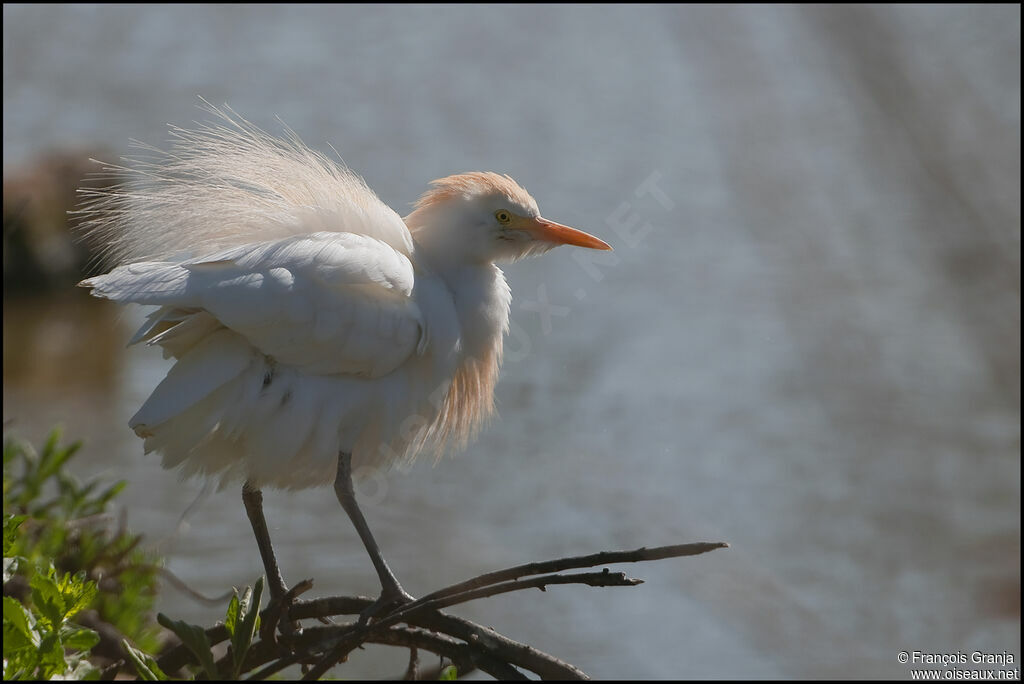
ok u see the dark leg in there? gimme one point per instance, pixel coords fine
(253, 499)
(392, 593)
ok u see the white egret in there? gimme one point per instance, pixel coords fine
(314, 330)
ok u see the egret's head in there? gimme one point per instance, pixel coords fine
(486, 217)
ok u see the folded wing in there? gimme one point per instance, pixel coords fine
(324, 304)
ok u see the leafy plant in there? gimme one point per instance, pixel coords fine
(40, 641)
(242, 622)
(145, 665)
(61, 558)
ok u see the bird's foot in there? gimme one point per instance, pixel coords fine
(278, 617)
(390, 600)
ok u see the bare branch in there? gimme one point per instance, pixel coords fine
(465, 657)
(499, 646)
(483, 638)
(474, 588)
(357, 636)
(467, 644)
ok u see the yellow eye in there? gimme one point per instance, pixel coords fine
(503, 216)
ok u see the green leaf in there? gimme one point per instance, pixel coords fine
(145, 665)
(17, 668)
(232, 615)
(76, 591)
(51, 656)
(244, 623)
(83, 670)
(448, 674)
(18, 618)
(194, 637)
(47, 598)
(11, 525)
(79, 638)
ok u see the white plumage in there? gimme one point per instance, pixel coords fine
(285, 356)
(307, 319)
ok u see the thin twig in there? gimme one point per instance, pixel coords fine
(572, 563)
(272, 669)
(593, 579)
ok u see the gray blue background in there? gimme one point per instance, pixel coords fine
(808, 345)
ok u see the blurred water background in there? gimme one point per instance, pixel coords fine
(807, 342)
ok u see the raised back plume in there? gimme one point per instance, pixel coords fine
(227, 184)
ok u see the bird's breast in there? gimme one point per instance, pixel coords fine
(480, 302)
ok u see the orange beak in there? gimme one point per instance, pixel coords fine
(548, 231)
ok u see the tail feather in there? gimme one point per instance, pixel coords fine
(179, 338)
(219, 358)
(249, 426)
(156, 322)
(177, 437)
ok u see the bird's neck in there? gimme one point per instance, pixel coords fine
(479, 290)
(482, 301)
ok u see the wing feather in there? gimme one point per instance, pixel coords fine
(325, 303)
